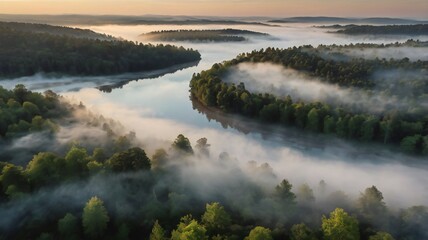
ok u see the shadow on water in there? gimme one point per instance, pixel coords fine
(122, 80)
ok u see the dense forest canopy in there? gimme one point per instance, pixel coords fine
(24, 53)
(409, 30)
(221, 35)
(405, 123)
(55, 30)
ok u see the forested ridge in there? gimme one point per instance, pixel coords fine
(407, 126)
(55, 30)
(221, 35)
(414, 29)
(24, 53)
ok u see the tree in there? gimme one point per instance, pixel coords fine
(371, 204)
(13, 180)
(284, 193)
(44, 169)
(133, 159)
(189, 229)
(76, 160)
(313, 120)
(215, 217)
(203, 146)
(159, 158)
(301, 232)
(158, 233)
(182, 143)
(412, 144)
(305, 194)
(95, 218)
(340, 226)
(68, 227)
(260, 233)
(381, 236)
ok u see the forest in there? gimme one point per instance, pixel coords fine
(25, 53)
(401, 123)
(55, 30)
(116, 191)
(414, 29)
(221, 35)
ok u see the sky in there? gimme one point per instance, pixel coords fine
(278, 8)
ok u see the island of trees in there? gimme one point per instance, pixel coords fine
(414, 29)
(221, 35)
(405, 126)
(26, 52)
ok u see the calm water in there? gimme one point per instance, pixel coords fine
(159, 109)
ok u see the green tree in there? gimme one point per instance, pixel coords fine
(95, 218)
(13, 180)
(260, 233)
(189, 229)
(302, 232)
(215, 218)
(133, 159)
(158, 233)
(371, 204)
(412, 144)
(305, 194)
(313, 120)
(284, 193)
(340, 226)
(68, 227)
(182, 143)
(76, 160)
(45, 169)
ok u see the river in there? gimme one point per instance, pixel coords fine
(159, 108)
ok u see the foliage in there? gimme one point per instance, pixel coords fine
(302, 232)
(182, 143)
(133, 159)
(158, 233)
(95, 218)
(260, 233)
(215, 218)
(340, 226)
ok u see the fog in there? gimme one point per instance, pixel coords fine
(279, 81)
(159, 109)
(412, 53)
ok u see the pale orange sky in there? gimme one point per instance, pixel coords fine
(277, 8)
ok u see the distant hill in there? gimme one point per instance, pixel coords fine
(347, 20)
(126, 20)
(220, 35)
(55, 30)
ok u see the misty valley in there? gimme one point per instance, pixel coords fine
(191, 128)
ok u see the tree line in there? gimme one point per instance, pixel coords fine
(407, 128)
(24, 53)
(221, 35)
(413, 29)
